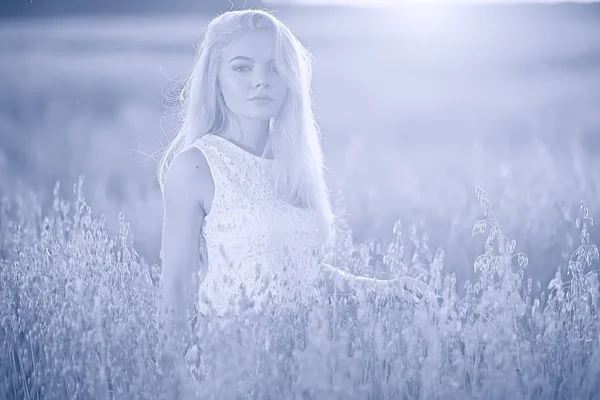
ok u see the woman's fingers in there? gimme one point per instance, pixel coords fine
(413, 284)
(420, 289)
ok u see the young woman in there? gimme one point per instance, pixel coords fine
(245, 176)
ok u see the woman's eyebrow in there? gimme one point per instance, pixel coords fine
(241, 58)
(244, 58)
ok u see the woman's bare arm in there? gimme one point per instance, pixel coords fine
(344, 282)
(184, 187)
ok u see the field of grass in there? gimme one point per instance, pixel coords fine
(414, 120)
(79, 322)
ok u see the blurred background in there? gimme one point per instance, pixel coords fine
(418, 102)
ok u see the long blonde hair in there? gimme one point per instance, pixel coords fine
(295, 137)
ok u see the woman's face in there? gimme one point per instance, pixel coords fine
(248, 70)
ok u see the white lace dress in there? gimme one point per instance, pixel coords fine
(254, 238)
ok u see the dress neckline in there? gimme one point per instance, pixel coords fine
(246, 152)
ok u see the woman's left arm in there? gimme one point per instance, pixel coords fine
(344, 282)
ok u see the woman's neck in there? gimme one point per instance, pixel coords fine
(250, 135)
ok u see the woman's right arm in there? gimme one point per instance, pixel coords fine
(183, 191)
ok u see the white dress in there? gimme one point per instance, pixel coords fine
(254, 238)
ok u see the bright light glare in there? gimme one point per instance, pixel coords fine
(423, 17)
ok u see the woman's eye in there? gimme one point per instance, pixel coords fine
(241, 68)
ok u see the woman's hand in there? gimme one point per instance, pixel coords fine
(414, 286)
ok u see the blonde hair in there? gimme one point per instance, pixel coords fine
(295, 138)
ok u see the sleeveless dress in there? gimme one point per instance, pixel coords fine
(256, 242)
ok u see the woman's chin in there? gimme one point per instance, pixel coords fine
(261, 116)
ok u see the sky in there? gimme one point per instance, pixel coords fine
(49, 8)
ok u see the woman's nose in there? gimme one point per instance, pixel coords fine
(261, 80)
(261, 83)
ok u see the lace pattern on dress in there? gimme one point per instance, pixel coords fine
(254, 239)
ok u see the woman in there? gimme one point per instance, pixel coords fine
(245, 177)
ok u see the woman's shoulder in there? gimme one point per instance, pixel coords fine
(189, 175)
(189, 162)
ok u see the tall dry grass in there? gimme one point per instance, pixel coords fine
(78, 321)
